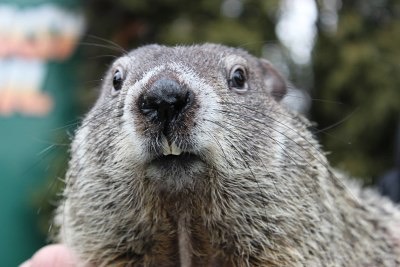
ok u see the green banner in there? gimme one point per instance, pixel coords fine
(38, 65)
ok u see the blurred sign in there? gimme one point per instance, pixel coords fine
(38, 76)
(28, 38)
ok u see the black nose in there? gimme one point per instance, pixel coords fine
(165, 101)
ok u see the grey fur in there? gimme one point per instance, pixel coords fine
(263, 193)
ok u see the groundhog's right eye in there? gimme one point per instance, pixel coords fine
(117, 80)
(238, 80)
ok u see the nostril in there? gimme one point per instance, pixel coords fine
(147, 105)
(165, 100)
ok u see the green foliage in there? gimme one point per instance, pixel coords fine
(178, 21)
(359, 68)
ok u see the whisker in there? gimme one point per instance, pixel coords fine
(109, 42)
(326, 165)
(337, 123)
(101, 46)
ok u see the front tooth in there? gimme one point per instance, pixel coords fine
(175, 150)
(165, 146)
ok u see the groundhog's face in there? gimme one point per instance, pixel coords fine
(171, 115)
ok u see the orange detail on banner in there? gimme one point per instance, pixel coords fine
(25, 102)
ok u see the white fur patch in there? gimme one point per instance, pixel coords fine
(136, 142)
(208, 102)
(81, 141)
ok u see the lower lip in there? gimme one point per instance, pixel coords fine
(171, 161)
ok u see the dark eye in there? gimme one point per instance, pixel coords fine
(238, 80)
(117, 80)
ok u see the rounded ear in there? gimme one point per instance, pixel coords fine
(274, 82)
(285, 93)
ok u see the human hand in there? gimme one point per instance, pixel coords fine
(52, 255)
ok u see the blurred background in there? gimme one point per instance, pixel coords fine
(345, 54)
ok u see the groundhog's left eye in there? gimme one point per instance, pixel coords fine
(118, 80)
(238, 79)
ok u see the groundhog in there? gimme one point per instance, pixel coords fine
(190, 157)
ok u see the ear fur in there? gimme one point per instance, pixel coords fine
(274, 82)
(285, 93)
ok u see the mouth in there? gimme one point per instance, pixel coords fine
(171, 161)
(174, 167)
(172, 157)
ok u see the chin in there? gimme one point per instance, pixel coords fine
(173, 173)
